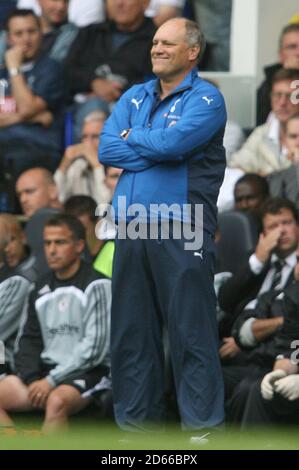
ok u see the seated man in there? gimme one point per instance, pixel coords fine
(38, 196)
(58, 34)
(285, 183)
(79, 171)
(275, 398)
(34, 89)
(36, 190)
(17, 276)
(109, 57)
(288, 59)
(63, 349)
(264, 151)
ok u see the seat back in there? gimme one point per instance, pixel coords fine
(238, 237)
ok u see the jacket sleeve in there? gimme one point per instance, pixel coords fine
(113, 149)
(29, 346)
(261, 311)
(199, 122)
(94, 347)
(247, 158)
(80, 74)
(13, 297)
(235, 290)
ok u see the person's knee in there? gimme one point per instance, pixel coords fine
(56, 405)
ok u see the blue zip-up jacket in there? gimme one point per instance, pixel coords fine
(174, 153)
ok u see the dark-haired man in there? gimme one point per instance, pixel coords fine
(34, 88)
(63, 349)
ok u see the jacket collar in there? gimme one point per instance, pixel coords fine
(153, 87)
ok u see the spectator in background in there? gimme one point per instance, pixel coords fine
(58, 34)
(17, 276)
(162, 10)
(30, 117)
(36, 189)
(63, 348)
(285, 183)
(214, 18)
(250, 193)
(107, 58)
(80, 13)
(288, 59)
(84, 209)
(79, 171)
(265, 149)
(105, 230)
(277, 242)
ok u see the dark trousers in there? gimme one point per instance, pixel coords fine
(238, 381)
(154, 283)
(260, 412)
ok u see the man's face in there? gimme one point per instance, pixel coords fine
(54, 11)
(34, 193)
(287, 224)
(289, 52)
(14, 251)
(170, 53)
(126, 13)
(112, 177)
(91, 133)
(247, 197)
(61, 249)
(25, 33)
(292, 135)
(281, 103)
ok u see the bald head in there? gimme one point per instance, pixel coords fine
(36, 189)
(177, 45)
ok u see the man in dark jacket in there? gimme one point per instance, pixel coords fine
(108, 58)
(288, 58)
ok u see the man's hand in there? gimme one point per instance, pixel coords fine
(229, 349)
(288, 387)
(268, 382)
(39, 392)
(106, 89)
(14, 57)
(79, 150)
(266, 244)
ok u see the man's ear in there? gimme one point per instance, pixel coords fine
(80, 244)
(194, 53)
(53, 192)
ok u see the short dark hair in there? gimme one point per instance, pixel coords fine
(289, 28)
(285, 74)
(73, 224)
(259, 181)
(275, 204)
(23, 12)
(81, 204)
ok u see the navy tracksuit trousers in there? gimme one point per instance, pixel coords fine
(156, 283)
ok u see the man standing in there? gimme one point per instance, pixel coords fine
(167, 134)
